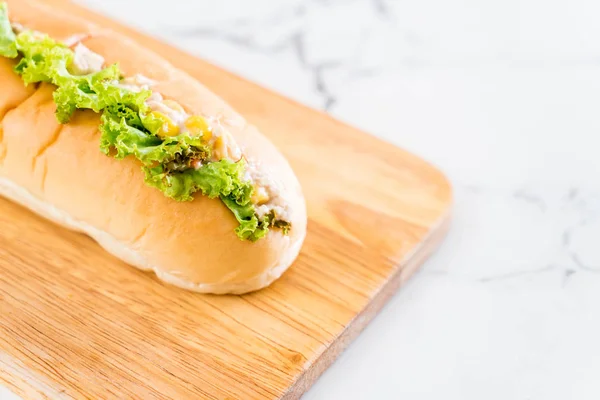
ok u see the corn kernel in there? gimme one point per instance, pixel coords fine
(168, 128)
(220, 150)
(260, 196)
(198, 126)
(206, 136)
(196, 121)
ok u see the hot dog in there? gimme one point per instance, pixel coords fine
(102, 136)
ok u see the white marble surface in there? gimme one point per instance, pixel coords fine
(504, 96)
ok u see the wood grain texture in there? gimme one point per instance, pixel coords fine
(77, 323)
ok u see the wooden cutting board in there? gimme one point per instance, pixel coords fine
(77, 323)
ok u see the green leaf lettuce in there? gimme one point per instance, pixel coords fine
(8, 46)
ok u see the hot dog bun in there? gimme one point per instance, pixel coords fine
(59, 172)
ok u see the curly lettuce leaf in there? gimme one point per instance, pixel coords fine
(216, 179)
(250, 227)
(97, 92)
(8, 40)
(118, 134)
(128, 140)
(152, 122)
(46, 60)
(43, 58)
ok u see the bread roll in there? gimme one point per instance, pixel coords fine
(58, 171)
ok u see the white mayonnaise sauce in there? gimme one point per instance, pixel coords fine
(224, 144)
(137, 83)
(175, 114)
(86, 61)
(275, 201)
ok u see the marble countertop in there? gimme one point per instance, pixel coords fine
(504, 97)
